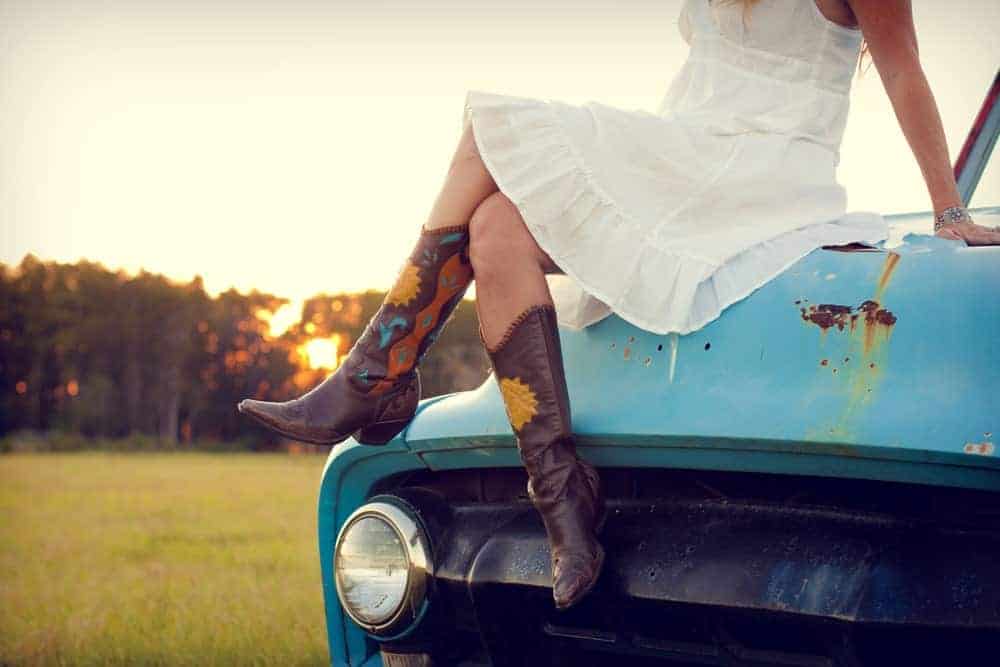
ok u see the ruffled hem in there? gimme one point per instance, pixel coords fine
(535, 164)
(731, 282)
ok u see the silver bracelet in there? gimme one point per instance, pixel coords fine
(950, 216)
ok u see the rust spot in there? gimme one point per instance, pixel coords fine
(885, 317)
(822, 320)
(628, 353)
(827, 315)
(871, 365)
(869, 336)
(981, 448)
(824, 362)
(869, 308)
(891, 260)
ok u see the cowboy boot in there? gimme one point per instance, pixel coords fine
(375, 391)
(564, 488)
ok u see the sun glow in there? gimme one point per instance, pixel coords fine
(282, 319)
(322, 352)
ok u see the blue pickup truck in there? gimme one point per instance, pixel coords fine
(811, 479)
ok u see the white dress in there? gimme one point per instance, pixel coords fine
(667, 218)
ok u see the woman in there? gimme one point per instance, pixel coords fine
(665, 218)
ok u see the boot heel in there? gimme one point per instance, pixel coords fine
(380, 432)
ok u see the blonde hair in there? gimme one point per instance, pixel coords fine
(748, 5)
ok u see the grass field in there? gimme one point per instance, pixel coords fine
(171, 559)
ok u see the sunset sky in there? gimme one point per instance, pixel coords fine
(296, 146)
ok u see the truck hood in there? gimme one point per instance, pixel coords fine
(875, 362)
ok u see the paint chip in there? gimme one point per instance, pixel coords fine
(980, 448)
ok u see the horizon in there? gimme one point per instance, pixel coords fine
(149, 136)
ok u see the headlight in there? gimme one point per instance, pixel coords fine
(381, 562)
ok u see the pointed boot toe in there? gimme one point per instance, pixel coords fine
(575, 577)
(286, 418)
(375, 390)
(335, 410)
(249, 406)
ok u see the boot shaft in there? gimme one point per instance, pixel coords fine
(563, 488)
(428, 288)
(529, 371)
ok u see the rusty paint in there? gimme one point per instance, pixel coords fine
(980, 448)
(861, 378)
(876, 326)
(891, 260)
(829, 315)
(876, 319)
(627, 353)
(869, 335)
(885, 317)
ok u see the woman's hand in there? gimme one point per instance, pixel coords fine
(970, 232)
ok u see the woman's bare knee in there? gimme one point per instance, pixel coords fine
(486, 238)
(499, 239)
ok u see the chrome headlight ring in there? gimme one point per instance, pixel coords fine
(365, 528)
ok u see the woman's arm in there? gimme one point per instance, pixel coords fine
(892, 41)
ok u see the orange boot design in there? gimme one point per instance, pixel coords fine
(375, 391)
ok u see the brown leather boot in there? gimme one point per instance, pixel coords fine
(565, 489)
(376, 389)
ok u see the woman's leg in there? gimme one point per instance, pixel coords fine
(508, 264)
(374, 392)
(518, 328)
(465, 186)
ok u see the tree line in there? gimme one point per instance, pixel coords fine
(106, 354)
